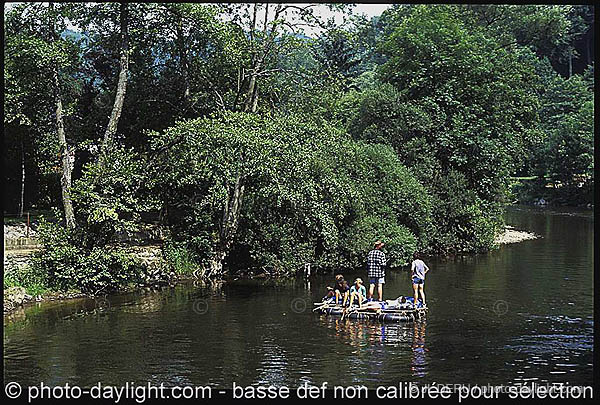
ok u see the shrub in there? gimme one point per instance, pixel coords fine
(400, 242)
(67, 265)
(180, 258)
(27, 276)
(463, 221)
(309, 193)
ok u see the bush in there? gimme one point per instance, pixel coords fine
(463, 221)
(400, 243)
(459, 111)
(180, 258)
(67, 265)
(27, 276)
(108, 198)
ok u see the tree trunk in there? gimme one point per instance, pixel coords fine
(588, 47)
(255, 65)
(251, 101)
(254, 99)
(229, 223)
(65, 155)
(215, 267)
(183, 60)
(22, 179)
(111, 128)
(240, 81)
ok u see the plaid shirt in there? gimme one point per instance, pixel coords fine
(376, 264)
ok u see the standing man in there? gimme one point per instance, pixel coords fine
(376, 270)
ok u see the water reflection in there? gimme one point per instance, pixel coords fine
(153, 302)
(272, 369)
(419, 350)
(372, 338)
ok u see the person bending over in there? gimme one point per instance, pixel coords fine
(341, 289)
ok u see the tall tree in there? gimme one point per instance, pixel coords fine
(111, 127)
(272, 30)
(67, 154)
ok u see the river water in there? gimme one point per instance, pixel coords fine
(521, 313)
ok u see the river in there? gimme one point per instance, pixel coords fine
(523, 312)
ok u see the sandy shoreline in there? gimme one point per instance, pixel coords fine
(512, 235)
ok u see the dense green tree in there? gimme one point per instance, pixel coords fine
(558, 32)
(286, 191)
(566, 157)
(452, 101)
(40, 66)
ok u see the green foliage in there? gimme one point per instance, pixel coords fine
(29, 58)
(464, 222)
(68, 266)
(543, 27)
(564, 154)
(29, 277)
(400, 242)
(308, 188)
(179, 257)
(459, 110)
(475, 100)
(571, 147)
(405, 127)
(569, 123)
(109, 198)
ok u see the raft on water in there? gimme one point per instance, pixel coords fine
(400, 312)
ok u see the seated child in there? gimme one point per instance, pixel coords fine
(358, 292)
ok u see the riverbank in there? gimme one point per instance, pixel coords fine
(16, 296)
(17, 264)
(551, 194)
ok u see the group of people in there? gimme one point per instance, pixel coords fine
(376, 262)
